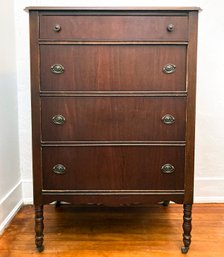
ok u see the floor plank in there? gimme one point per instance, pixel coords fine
(152, 231)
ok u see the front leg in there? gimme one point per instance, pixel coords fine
(39, 227)
(187, 227)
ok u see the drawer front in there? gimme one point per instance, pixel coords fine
(118, 28)
(113, 118)
(113, 67)
(113, 168)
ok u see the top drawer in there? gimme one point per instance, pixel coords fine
(114, 28)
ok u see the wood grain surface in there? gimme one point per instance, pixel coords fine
(114, 27)
(113, 67)
(113, 168)
(113, 118)
(153, 231)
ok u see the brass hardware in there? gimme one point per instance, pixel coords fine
(58, 119)
(167, 168)
(57, 28)
(57, 68)
(170, 27)
(168, 119)
(169, 68)
(59, 169)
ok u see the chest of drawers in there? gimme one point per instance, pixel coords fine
(113, 107)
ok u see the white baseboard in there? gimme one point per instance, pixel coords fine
(28, 201)
(9, 205)
(209, 199)
(27, 185)
(209, 190)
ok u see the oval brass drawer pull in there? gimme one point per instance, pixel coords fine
(59, 169)
(57, 68)
(170, 27)
(167, 168)
(168, 119)
(57, 28)
(58, 119)
(169, 68)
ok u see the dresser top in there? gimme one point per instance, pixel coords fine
(134, 8)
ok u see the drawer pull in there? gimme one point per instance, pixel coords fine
(168, 119)
(58, 119)
(57, 68)
(57, 28)
(169, 68)
(59, 169)
(167, 168)
(170, 27)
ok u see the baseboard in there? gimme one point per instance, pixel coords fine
(9, 205)
(209, 190)
(209, 199)
(27, 185)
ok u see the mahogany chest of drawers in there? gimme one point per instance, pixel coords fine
(113, 107)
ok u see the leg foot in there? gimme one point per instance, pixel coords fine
(39, 227)
(40, 249)
(187, 227)
(184, 249)
(58, 204)
(166, 203)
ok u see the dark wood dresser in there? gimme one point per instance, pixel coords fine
(113, 107)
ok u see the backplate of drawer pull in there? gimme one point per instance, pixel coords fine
(167, 168)
(169, 68)
(59, 169)
(58, 119)
(168, 119)
(57, 68)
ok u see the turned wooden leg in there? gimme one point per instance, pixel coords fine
(39, 227)
(187, 227)
(166, 203)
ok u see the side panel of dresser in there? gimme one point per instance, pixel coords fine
(36, 129)
(191, 102)
(35, 105)
(190, 130)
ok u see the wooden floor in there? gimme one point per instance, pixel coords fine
(116, 232)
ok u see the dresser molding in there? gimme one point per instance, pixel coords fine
(116, 8)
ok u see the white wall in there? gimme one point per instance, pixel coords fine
(209, 177)
(10, 181)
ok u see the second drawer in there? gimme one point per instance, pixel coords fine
(113, 67)
(109, 118)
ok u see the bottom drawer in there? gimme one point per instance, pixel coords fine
(113, 168)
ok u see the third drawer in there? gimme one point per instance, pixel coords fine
(110, 118)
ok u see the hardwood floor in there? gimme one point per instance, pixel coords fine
(152, 231)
